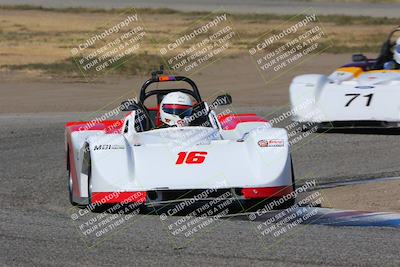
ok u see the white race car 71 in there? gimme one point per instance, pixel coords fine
(362, 94)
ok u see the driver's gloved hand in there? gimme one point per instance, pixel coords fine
(390, 65)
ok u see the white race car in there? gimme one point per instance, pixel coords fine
(137, 160)
(362, 94)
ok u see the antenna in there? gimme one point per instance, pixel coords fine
(155, 73)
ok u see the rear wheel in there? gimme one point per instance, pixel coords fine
(291, 201)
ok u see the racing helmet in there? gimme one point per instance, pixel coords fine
(174, 108)
(396, 52)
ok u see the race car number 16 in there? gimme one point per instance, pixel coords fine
(194, 157)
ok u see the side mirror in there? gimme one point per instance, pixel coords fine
(359, 58)
(222, 100)
(129, 105)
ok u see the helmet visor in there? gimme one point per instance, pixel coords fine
(181, 110)
(397, 48)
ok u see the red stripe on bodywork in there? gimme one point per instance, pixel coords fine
(111, 126)
(229, 122)
(266, 192)
(118, 197)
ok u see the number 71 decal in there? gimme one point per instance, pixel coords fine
(194, 157)
(354, 96)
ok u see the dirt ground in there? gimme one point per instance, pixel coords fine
(24, 93)
(37, 36)
(377, 196)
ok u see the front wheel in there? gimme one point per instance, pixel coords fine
(70, 189)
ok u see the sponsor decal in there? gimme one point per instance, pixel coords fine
(106, 147)
(271, 143)
(263, 143)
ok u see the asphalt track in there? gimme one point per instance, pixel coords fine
(36, 226)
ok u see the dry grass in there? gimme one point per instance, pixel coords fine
(38, 38)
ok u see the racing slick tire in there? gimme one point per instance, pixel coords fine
(70, 182)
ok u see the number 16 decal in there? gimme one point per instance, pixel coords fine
(194, 157)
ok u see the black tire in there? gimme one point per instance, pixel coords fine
(292, 201)
(70, 182)
(287, 204)
(293, 177)
(70, 189)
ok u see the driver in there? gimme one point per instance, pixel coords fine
(395, 63)
(174, 108)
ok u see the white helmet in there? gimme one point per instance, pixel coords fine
(396, 52)
(174, 108)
